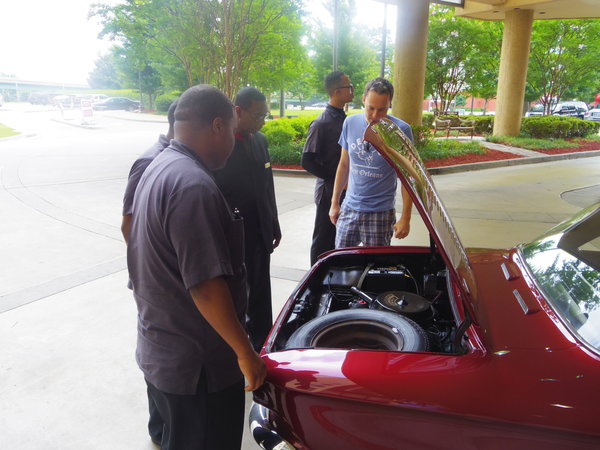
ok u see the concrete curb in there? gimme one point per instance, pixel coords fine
(145, 118)
(79, 125)
(18, 136)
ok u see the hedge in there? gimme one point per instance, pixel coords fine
(558, 127)
(286, 136)
(163, 102)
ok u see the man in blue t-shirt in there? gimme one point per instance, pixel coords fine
(368, 215)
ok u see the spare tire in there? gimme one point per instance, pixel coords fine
(365, 329)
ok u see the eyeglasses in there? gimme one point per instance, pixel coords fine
(258, 117)
(350, 86)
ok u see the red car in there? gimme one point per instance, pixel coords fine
(438, 347)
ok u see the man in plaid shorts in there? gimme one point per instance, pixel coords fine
(368, 215)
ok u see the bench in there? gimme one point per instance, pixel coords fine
(451, 122)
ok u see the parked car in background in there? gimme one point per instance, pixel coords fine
(440, 346)
(571, 108)
(594, 114)
(565, 110)
(40, 98)
(536, 110)
(117, 103)
(63, 101)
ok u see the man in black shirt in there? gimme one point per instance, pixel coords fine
(322, 154)
(246, 181)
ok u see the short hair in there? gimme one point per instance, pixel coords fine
(247, 96)
(381, 86)
(202, 104)
(171, 113)
(332, 80)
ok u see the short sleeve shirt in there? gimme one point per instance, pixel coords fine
(138, 168)
(183, 233)
(372, 181)
(322, 139)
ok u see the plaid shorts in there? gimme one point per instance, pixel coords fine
(368, 228)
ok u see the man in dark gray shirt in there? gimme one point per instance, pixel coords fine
(185, 260)
(138, 168)
(155, 423)
(321, 156)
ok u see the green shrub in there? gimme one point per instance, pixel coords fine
(279, 132)
(558, 127)
(427, 120)
(422, 134)
(483, 124)
(163, 102)
(286, 138)
(300, 124)
(288, 154)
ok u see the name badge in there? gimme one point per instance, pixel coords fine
(267, 165)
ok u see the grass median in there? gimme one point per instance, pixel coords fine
(6, 131)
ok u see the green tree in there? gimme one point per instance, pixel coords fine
(483, 82)
(104, 75)
(281, 60)
(563, 59)
(356, 56)
(455, 56)
(210, 41)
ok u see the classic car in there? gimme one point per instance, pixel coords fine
(438, 346)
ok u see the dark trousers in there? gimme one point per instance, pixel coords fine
(202, 421)
(155, 423)
(323, 238)
(260, 311)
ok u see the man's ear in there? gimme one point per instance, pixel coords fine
(218, 124)
(238, 111)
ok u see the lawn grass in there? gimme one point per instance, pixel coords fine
(6, 131)
(531, 143)
(444, 148)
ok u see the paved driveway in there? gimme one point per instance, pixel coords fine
(68, 379)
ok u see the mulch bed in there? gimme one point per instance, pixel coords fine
(468, 158)
(584, 146)
(489, 155)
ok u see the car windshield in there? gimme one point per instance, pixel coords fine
(566, 267)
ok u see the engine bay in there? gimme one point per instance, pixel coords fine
(366, 300)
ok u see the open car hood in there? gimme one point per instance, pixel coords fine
(401, 154)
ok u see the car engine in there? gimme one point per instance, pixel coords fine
(353, 294)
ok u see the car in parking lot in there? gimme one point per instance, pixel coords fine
(594, 113)
(536, 110)
(438, 346)
(571, 108)
(117, 103)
